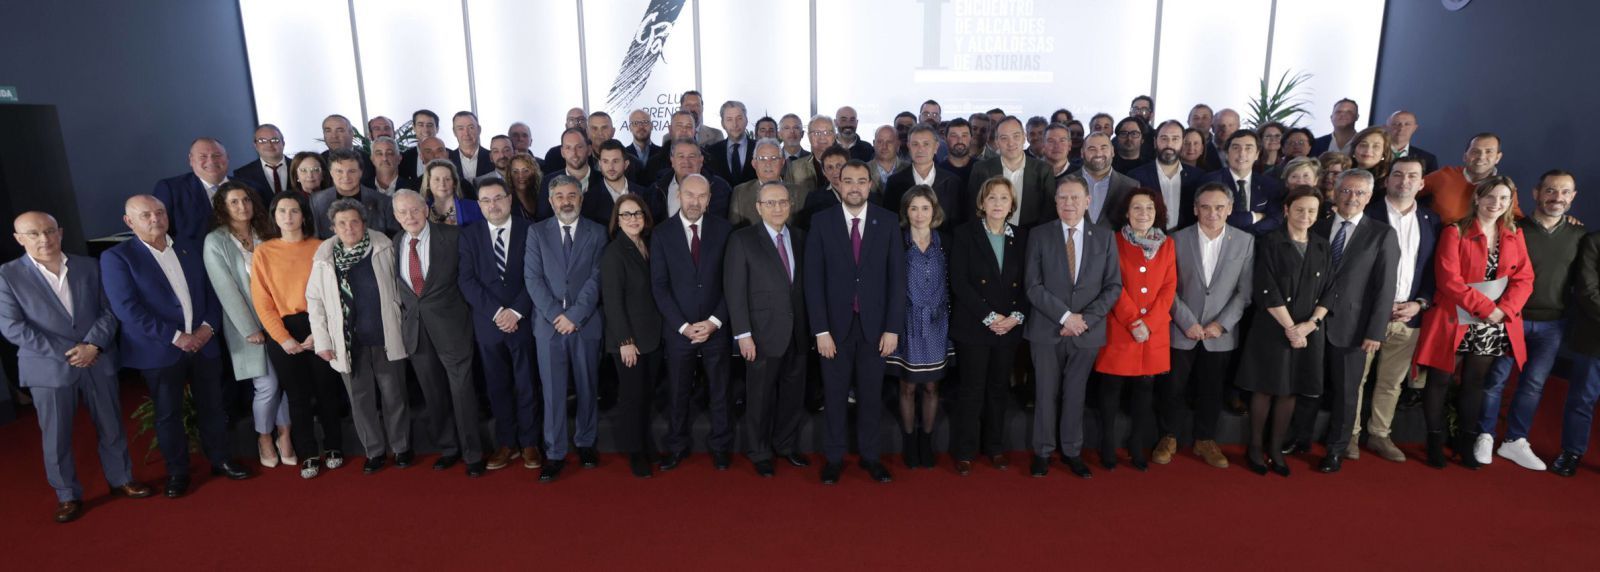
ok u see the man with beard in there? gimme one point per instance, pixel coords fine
(500, 151)
(552, 158)
(768, 162)
(932, 114)
(425, 125)
(1129, 142)
(575, 161)
(1176, 181)
(1105, 185)
(848, 138)
(600, 199)
(642, 148)
(958, 139)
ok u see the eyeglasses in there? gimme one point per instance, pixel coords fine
(767, 157)
(629, 215)
(820, 133)
(1130, 133)
(1354, 192)
(267, 140)
(775, 203)
(494, 200)
(47, 233)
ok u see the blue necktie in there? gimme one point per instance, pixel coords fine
(500, 252)
(1338, 244)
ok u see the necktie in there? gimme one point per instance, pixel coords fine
(694, 243)
(734, 165)
(500, 252)
(277, 184)
(566, 239)
(644, 153)
(416, 269)
(1072, 255)
(855, 251)
(1240, 202)
(1338, 243)
(783, 255)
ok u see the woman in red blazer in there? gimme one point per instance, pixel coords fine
(1479, 248)
(1138, 333)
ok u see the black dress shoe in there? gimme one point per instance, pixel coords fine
(797, 460)
(830, 473)
(672, 460)
(551, 470)
(1139, 464)
(68, 511)
(233, 470)
(1566, 464)
(405, 459)
(1293, 447)
(877, 471)
(588, 457)
(1255, 466)
(639, 463)
(1077, 467)
(177, 486)
(1039, 467)
(475, 470)
(445, 462)
(1279, 467)
(373, 465)
(1331, 463)
(1108, 461)
(764, 468)
(721, 460)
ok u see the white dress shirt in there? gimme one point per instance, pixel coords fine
(469, 165)
(688, 238)
(422, 254)
(933, 172)
(505, 230)
(1409, 230)
(211, 190)
(1210, 253)
(173, 268)
(1077, 254)
(58, 284)
(282, 169)
(1171, 192)
(672, 197)
(1016, 184)
(1349, 233)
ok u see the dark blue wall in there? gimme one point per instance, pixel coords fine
(134, 83)
(1528, 71)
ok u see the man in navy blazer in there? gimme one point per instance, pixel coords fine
(158, 290)
(52, 308)
(470, 154)
(562, 271)
(686, 278)
(1168, 173)
(731, 157)
(855, 288)
(601, 197)
(1258, 205)
(687, 159)
(269, 173)
(188, 196)
(502, 324)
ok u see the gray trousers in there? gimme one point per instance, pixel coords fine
(56, 407)
(372, 376)
(1061, 377)
(446, 382)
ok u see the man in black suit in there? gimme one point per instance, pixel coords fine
(1057, 151)
(380, 126)
(855, 290)
(1223, 125)
(1176, 181)
(269, 173)
(828, 195)
(601, 197)
(730, 158)
(949, 189)
(1401, 127)
(1359, 300)
(575, 163)
(1345, 114)
(552, 158)
(766, 301)
(680, 127)
(1257, 198)
(187, 197)
(387, 177)
(687, 159)
(686, 277)
(1030, 177)
(425, 125)
(848, 123)
(1130, 144)
(340, 135)
(642, 149)
(521, 139)
(958, 157)
(471, 162)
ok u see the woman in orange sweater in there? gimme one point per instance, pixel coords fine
(1138, 333)
(281, 268)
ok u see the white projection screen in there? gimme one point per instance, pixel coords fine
(511, 60)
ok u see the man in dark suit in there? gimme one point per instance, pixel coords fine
(269, 173)
(491, 279)
(1174, 180)
(1223, 125)
(1057, 151)
(1360, 301)
(436, 326)
(1345, 114)
(1036, 184)
(686, 276)
(344, 171)
(769, 163)
(1257, 198)
(849, 137)
(958, 156)
(575, 163)
(642, 149)
(601, 197)
(562, 272)
(387, 177)
(576, 119)
(659, 165)
(469, 156)
(339, 134)
(64, 331)
(947, 187)
(1072, 279)
(731, 158)
(190, 194)
(766, 301)
(1107, 187)
(425, 124)
(157, 288)
(687, 159)
(855, 290)
(1401, 127)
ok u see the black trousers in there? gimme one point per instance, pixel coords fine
(713, 355)
(636, 388)
(313, 389)
(204, 377)
(1342, 369)
(452, 403)
(1140, 409)
(980, 411)
(1469, 399)
(856, 362)
(775, 391)
(1207, 372)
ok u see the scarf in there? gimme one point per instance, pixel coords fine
(1150, 243)
(343, 260)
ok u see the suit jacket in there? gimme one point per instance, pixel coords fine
(408, 163)
(1266, 197)
(149, 310)
(947, 187)
(441, 310)
(717, 159)
(232, 284)
(834, 279)
(485, 164)
(598, 204)
(981, 285)
(486, 289)
(1428, 226)
(864, 151)
(1110, 212)
(721, 195)
(762, 299)
(562, 283)
(543, 210)
(626, 298)
(252, 174)
(686, 291)
(1322, 145)
(553, 161)
(1226, 296)
(1360, 295)
(33, 319)
(1584, 314)
(1430, 162)
(1189, 177)
(1038, 192)
(805, 174)
(654, 168)
(380, 214)
(1053, 293)
(402, 182)
(188, 207)
(743, 211)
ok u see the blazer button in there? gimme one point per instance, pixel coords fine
(1144, 290)
(1289, 299)
(1013, 284)
(982, 281)
(1141, 269)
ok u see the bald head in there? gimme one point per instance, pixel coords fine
(32, 218)
(39, 235)
(431, 149)
(146, 216)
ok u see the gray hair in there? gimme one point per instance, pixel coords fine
(348, 204)
(733, 103)
(563, 179)
(776, 144)
(385, 139)
(1300, 162)
(820, 117)
(1355, 173)
(1074, 178)
(407, 194)
(778, 183)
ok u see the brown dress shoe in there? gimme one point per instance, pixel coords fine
(1351, 451)
(1209, 451)
(69, 511)
(532, 458)
(499, 459)
(132, 490)
(963, 468)
(1164, 450)
(1000, 461)
(1385, 448)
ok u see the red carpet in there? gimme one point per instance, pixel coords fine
(1184, 515)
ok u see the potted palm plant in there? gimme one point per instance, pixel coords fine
(1284, 102)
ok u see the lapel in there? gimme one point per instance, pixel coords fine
(980, 240)
(769, 248)
(435, 246)
(141, 251)
(46, 293)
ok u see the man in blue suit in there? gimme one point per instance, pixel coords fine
(855, 288)
(158, 290)
(686, 278)
(1257, 197)
(491, 279)
(188, 196)
(1174, 180)
(63, 328)
(562, 270)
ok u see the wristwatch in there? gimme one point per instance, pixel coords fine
(1423, 303)
(1317, 322)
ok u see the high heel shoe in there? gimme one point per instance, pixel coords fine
(1436, 456)
(267, 452)
(286, 451)
(1464, 449)
(1279, 467)
(1252, 461)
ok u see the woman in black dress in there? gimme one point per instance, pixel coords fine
(1292, 266)
(633, 326)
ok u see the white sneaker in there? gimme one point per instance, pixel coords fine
(1521, 453)
(1481, 449)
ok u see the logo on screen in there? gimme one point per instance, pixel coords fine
(644, 50)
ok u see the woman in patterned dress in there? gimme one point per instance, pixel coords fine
(920, 358)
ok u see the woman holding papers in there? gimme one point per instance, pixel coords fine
(1483, 278)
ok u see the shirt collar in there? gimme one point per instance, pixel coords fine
(46, 270)
(773, 233)
(686, 222)
(494, 228)
(933, 173)
(153, 250)
(1355, 220)
(422, 237)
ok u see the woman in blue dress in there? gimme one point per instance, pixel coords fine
(920, 358)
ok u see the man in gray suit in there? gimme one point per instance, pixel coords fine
(344, 169)
(1214, 265)
(436, 326)
(52, 307)
(1072, 279)
(562, 273)
(1106, 186)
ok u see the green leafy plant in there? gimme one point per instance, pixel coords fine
(144, 417)
(1282, 102)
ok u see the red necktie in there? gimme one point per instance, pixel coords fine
(277, 185)
(694, 243)
(416, 269)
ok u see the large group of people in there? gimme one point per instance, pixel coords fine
(1153, 261)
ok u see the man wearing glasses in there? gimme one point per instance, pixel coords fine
(768, 162)
(269, 173)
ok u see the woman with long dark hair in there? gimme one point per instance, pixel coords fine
(633, 326)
